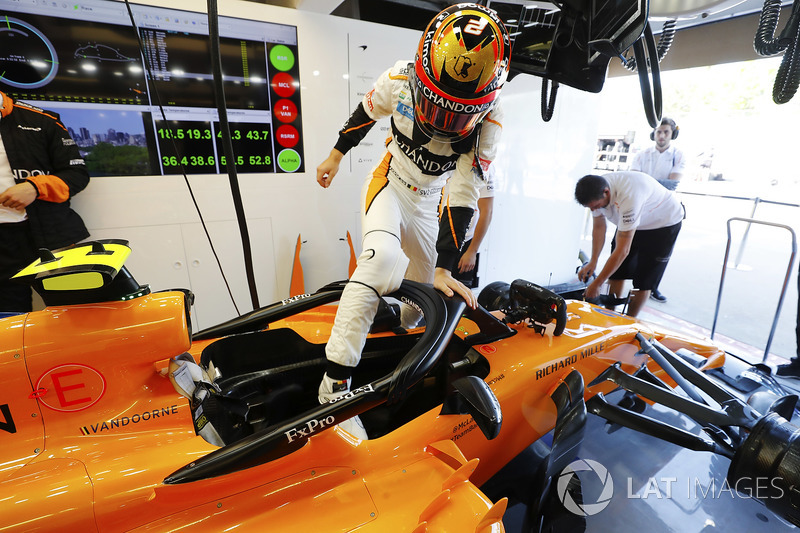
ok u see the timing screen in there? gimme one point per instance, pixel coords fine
(144, 102)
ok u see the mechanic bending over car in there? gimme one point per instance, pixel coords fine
(445, 117)
(648, 219)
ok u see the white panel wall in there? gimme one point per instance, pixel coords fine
(535, 233)
(537, 223)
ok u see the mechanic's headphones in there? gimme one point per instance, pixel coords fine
(667, 122)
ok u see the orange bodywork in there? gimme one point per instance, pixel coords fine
(91, 426)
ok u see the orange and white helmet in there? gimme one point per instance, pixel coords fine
(461, 65)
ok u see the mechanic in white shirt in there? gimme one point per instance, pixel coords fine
(665, 163)
(648, 219)
(662, 161)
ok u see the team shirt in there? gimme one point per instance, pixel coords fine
(638, 201)
(659, 164)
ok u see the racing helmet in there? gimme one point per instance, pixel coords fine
(461, 64)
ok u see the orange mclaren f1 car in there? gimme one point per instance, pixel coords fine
(115, 417)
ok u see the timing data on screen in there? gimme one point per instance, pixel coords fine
(140, 99)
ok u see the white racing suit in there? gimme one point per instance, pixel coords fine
(401, 202)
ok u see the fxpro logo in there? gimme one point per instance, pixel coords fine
(294, 298)
(564, 487)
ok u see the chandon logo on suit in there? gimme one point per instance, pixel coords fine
(427, 162)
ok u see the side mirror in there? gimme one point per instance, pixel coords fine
(471, 395)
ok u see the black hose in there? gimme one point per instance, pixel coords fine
(664, 43)
(227, 148)
(156, 97)
(655, 71)
(765, 42)
(788, 77)
(548, 105)
(666, 38)
(651, 98)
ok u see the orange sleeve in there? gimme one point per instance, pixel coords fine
(51, 188)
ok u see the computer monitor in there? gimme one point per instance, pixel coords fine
(140, 100)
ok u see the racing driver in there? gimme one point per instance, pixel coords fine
(445, 117)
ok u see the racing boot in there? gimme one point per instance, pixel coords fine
(330, 389)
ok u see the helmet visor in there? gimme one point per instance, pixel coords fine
(443, 118)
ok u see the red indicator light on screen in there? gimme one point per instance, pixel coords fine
(285, 110)
(283, 84)
(287, 136)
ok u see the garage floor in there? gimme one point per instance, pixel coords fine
(658, 487)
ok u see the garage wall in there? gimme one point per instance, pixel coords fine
(535, 233)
